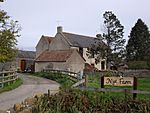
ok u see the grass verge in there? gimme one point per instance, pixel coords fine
(12, 86)
(62, 79)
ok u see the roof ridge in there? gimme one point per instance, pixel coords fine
(80, 35)
(83, 41)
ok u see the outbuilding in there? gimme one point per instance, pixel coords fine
(69, 60)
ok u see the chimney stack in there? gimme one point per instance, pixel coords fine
(59, 29)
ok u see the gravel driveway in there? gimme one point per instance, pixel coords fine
(31, 86)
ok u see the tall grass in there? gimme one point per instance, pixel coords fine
(75, 101)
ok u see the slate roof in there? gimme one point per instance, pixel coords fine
(26, 54)
(55, 56)
(80, 40)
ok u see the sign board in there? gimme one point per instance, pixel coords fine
(119, 81)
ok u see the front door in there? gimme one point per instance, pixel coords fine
(23, 65)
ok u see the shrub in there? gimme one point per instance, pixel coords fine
(75, 101)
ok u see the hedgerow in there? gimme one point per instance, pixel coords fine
(75, 101)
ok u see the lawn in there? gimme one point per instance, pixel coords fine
(94, 82)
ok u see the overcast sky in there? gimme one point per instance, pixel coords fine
(41, 17)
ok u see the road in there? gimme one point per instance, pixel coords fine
(31, 86)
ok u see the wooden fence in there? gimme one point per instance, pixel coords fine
(7, 77)
(84, 80)
(118, 90)
(72, 75)
(78, 83)
(125, 91)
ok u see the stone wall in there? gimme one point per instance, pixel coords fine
(136, 73)
(76, 63)
(59, 43)
(42, 46)
(7, 66)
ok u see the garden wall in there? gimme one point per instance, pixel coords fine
(136, 73)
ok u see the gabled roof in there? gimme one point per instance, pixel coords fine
(48, 39)
(26, 54)
(81, 41)
(55, 56)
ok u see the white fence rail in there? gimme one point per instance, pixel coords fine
(7, 77)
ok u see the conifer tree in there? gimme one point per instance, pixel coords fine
(138, 47)
(113, 38)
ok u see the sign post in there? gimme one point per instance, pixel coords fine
(86, 81)
(102, 82)
(135, 88)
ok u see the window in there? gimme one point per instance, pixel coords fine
(92, 65)
(102, 65)
(81, 51)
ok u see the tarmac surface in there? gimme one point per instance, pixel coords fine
(31, 86)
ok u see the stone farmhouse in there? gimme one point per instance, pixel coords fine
(66, 51)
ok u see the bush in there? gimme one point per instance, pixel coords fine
(75, 101)
(138, 65)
